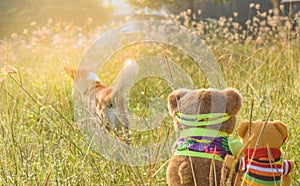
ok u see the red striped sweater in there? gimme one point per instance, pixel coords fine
(262, 166)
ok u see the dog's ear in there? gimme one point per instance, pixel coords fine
(71, 71)
(281, 127)
(243, 128)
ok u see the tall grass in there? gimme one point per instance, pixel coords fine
(40, 141)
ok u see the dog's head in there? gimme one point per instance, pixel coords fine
(89, 89)
(82, 77)
(88, 84)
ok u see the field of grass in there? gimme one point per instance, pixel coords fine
(41, 143)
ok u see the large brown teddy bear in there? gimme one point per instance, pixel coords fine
(262, 163)
(204, 118)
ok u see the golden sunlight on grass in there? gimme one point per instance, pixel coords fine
(40, 140)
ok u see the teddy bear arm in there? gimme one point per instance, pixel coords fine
(185, 173)
(227, 164)
(230, 173)
(288, 166)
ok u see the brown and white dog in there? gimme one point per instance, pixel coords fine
(88, 86)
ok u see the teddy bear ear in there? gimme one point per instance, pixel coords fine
(281, 128)
(243, 128)
(173, 100)
(234, 101)
(71, 71)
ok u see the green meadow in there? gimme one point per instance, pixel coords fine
(40, 141)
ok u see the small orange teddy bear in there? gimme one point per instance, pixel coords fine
(262, 163)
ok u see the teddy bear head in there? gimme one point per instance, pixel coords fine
(205, 101)
(263, 134)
